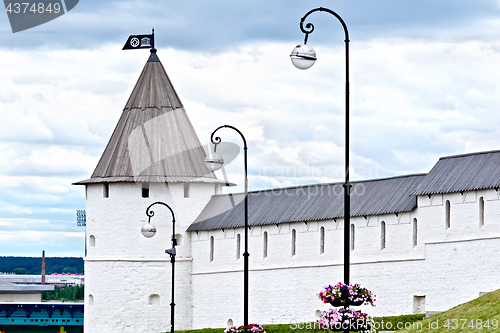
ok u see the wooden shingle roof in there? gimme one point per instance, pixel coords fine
(461, 173)
(154, 140)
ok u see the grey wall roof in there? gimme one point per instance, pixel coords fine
(462, 173)
(154, 139)
(309, 203)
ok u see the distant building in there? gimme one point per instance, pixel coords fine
(421, 243)
(22, 293)
(52, 279)
(21, 305)
(40, 315)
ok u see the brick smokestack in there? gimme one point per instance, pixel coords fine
(43, 267)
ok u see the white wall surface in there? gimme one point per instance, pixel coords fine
(448, 266)
(124, 268)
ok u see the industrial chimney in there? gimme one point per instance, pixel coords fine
(43, 267)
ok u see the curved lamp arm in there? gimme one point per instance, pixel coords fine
(150, 213)
(310, 26)
(217, 139)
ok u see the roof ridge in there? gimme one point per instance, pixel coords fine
(323, 184)
(470, 154)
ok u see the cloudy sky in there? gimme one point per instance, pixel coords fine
(425, 81)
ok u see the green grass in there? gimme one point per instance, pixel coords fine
(485, 309)
(394, 321)
(308, 327)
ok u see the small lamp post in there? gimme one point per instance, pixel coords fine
(215, 162)
(303, 57)
(149, 230)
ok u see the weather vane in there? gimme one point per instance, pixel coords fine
(140, 42)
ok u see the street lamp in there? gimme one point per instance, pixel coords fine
(215, 162)
(149, 230)
(303, 57)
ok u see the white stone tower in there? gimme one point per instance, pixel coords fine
(153, 155)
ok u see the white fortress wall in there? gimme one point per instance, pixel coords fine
(446, 267)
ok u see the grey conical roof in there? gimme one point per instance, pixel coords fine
(154, 141)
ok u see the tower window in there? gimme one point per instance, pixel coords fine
(186, 190)
(105, 190)
(294, 241)
(145, 190)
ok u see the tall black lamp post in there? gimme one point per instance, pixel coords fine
(149, 230)
(214, 163)
(303, 57)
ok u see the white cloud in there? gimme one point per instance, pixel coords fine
(412, 101)
(75, 235)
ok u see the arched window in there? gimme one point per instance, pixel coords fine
(91, 299)
(154, 299)
(178, 239)
(353, 236)
(211, 248)
(415, 232)
(317, 314)
(322, 240)
(238, 246)
(481, 211)
(91, 241)
(230, 323)
(265, 245)
(382, 235)
(294, 241)
(447, 214)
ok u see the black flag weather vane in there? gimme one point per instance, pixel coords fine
(140, 42)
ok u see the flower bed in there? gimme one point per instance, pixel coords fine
(341, 319)
(253, 328)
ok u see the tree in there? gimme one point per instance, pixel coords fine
(20, 271)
